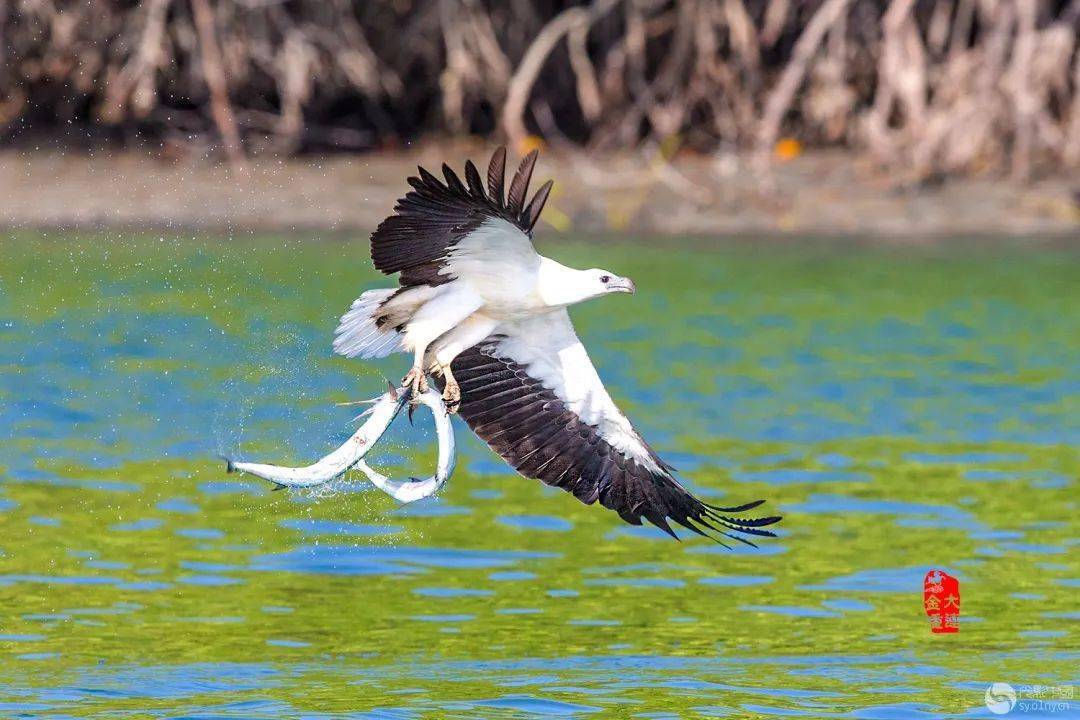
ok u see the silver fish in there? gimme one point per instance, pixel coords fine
(352, 451)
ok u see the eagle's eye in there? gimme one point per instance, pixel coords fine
(605, 279)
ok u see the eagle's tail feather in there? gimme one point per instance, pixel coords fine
(359, 335)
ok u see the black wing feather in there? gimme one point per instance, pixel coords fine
(472, 176)
(435, 215)
(519, 186)
(453, 182)
(540, 437)
(497, 176)
(536, 205)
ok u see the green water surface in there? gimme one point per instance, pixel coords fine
(903, 409)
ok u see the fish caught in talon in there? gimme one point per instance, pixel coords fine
(353, 451)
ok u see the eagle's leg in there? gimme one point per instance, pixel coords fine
(451, 304)
(451, 390)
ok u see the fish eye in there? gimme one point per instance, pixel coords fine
(605, 279)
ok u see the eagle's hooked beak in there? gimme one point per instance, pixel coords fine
(622, 284)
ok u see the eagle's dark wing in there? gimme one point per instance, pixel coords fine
(433, 217)
(533, 395)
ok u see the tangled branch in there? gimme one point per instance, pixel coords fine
(925, 87)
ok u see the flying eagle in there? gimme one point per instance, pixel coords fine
(486, 316)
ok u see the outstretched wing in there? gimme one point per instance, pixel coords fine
(434, 217)
(533, 395)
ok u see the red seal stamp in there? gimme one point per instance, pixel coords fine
(941, 600)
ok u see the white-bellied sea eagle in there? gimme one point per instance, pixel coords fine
(485, 315)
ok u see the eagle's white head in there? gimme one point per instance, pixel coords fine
(561, 286)
(605, 281)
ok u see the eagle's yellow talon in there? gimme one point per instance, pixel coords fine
(418, 385)
(451, 390)
(452, 395)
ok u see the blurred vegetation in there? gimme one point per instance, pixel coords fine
(926, 88)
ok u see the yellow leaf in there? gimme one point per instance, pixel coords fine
(787, 149)
(530, 143)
